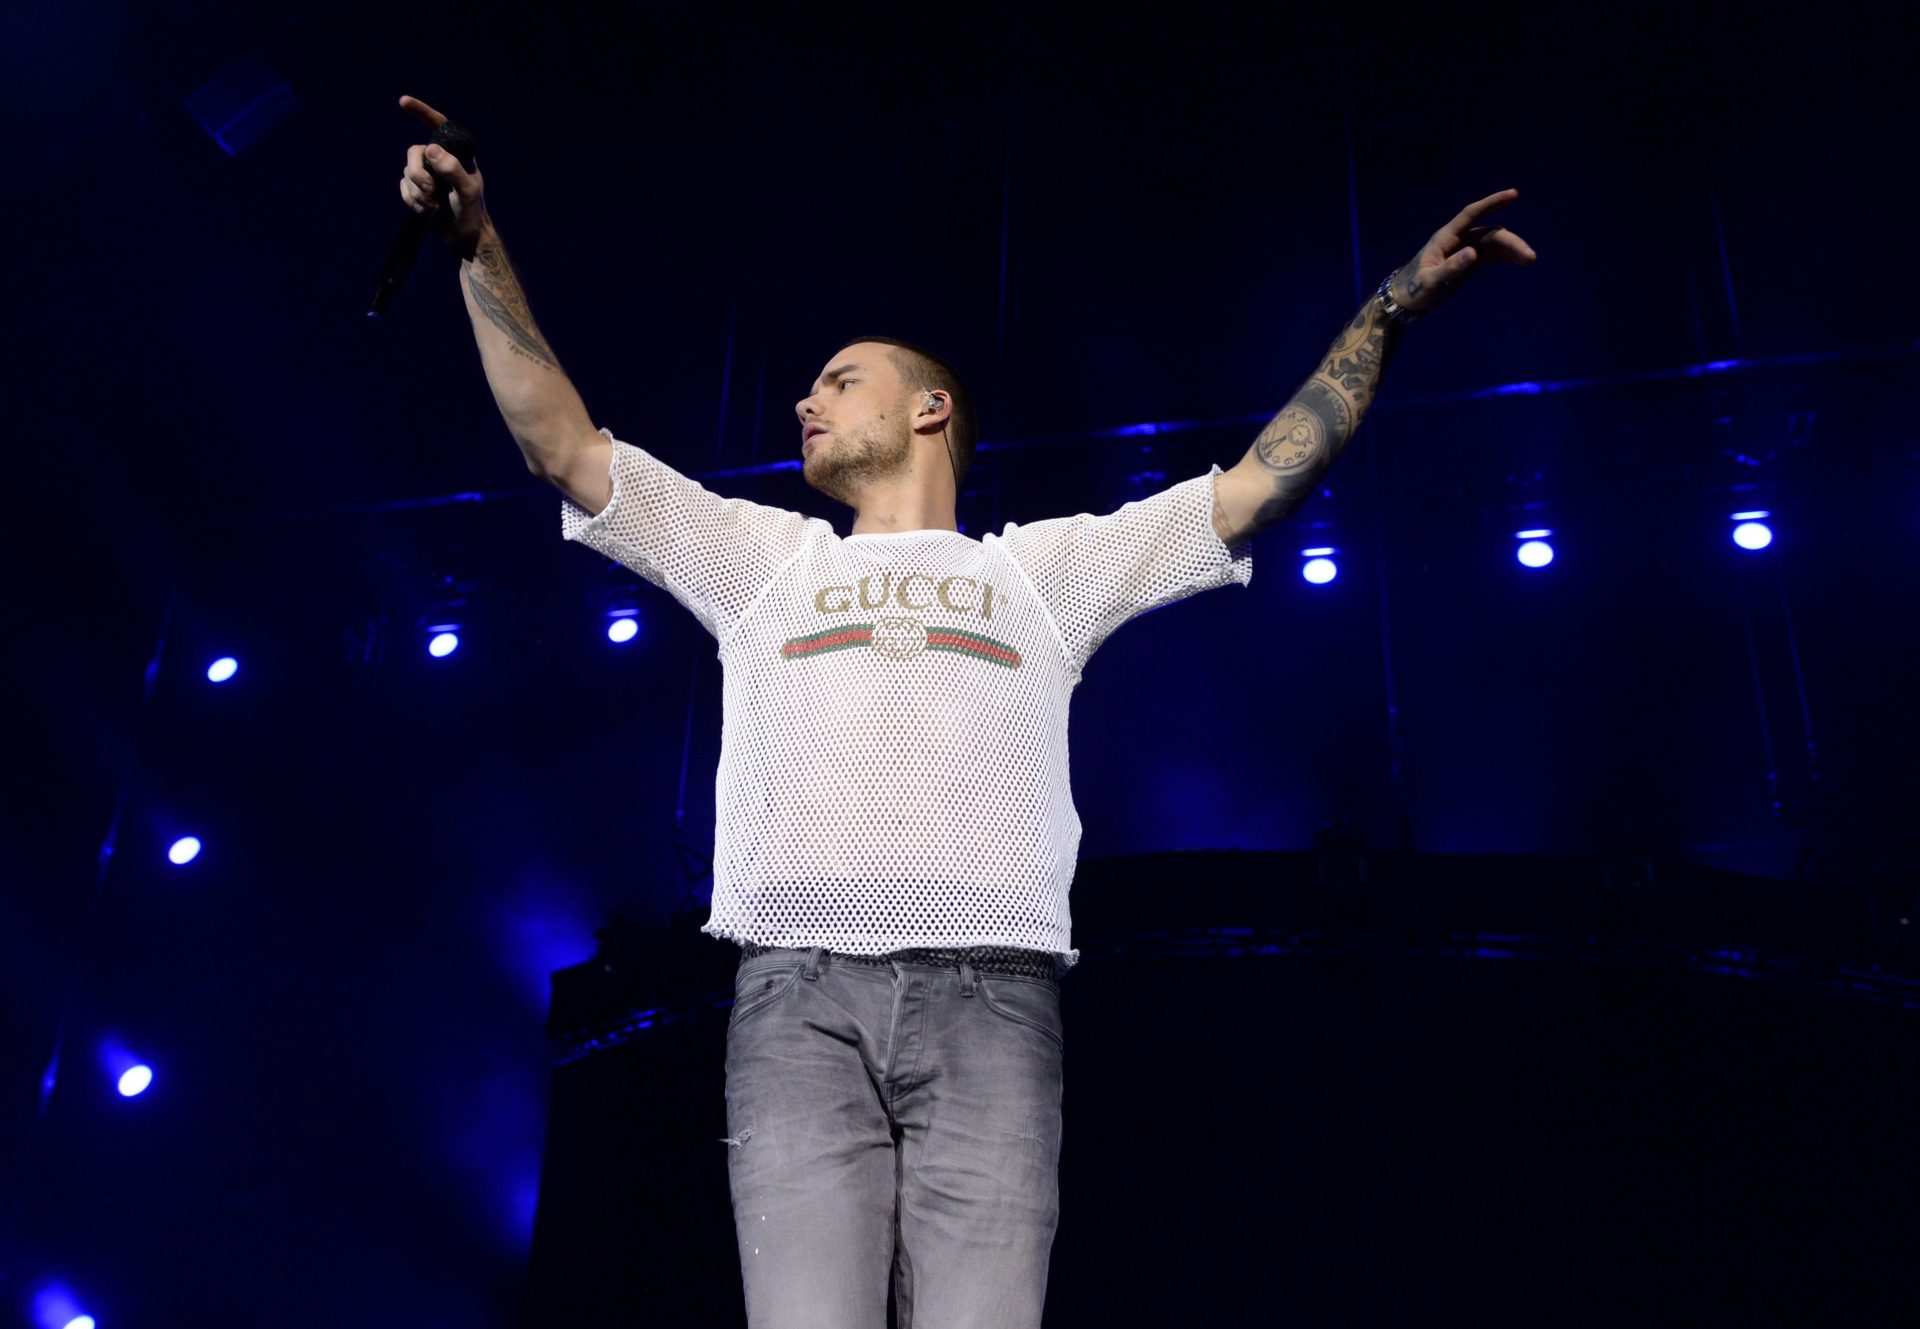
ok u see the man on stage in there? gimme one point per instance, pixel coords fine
(896, 834)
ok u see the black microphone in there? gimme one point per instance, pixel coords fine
(415, 227)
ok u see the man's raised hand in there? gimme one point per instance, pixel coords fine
(435, 183)
(1455, 252)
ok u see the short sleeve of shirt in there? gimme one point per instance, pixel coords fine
(1095, 573)
(714, 555)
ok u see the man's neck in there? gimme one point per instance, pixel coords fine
(863, 525)
(900, 510)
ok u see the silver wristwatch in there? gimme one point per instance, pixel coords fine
(1396, 315)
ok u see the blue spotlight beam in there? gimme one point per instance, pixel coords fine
(241, 104)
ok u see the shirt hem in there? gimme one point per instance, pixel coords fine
(1071, 955)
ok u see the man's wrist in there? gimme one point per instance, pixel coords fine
(488, 238)
(1391, 311)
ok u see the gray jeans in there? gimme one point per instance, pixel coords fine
(903, 1119)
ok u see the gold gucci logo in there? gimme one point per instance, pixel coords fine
(915, 591)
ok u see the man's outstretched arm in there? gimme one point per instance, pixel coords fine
(1287, 460)
(1285, 463)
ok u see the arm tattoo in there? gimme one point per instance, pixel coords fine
(1298, 445)
(1301, 442)
(1356, 359)
(1410, 278)
(497, 293)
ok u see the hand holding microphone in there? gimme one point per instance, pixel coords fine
(442, 187)
(436, 184)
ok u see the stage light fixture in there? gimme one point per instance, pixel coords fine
(1534, 551)
(623, 625)
(54, 1307)
(184, 850)
(1319, 567)
(134, 1081)
(444, 642)
(222, 669)
(1752, 533)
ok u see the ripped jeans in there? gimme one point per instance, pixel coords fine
(899, 1120)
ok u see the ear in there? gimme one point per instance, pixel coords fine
(934, 411)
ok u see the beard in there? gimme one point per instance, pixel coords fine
(847, 463)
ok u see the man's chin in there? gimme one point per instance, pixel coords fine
(843, 482)
(825, 482)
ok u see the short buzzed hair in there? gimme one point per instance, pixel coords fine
(921, 368)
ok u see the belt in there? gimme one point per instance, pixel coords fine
(983, 959)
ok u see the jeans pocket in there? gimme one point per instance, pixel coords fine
(759, 989)
(1024, 1001)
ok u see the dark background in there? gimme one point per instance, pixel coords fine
(1134, 235)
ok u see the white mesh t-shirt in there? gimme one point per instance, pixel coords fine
(893, 756)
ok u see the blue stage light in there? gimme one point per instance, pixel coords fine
(443, 644)
(55, 1308)
(1534, 551)
(222, 669)
(1319, 569)
(623, 627)
(184, 850)
(135, 1080)
(1752, 533)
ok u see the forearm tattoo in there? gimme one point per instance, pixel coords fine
(1356, 360)
(497, 293)
(1302, 441)
(1299, 440)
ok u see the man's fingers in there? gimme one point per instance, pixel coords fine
(417, 167)
(447, 166)
(1500, 243)
(1512, 247)
(422, 110)
(1456, 267)
(420, 200)
(1473, 212)
(420, 188)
